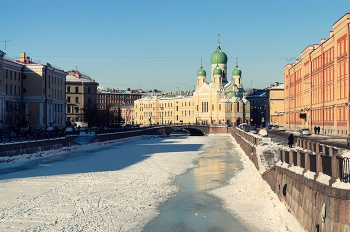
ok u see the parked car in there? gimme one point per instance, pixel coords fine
(253, 130)
(36, 131)
(82, 129)
(304, 131)
(263, 132)
(7, 133)
(69, 130)
(281, 128)
(50, 129)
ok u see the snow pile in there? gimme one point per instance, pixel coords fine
(251, 199)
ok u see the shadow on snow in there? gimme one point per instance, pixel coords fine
(102, 158)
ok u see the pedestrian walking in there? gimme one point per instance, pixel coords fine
(291, 140)
(318, 130)
(315, 130)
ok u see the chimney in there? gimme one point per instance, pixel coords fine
(27, 61)
(331, 33)
(22, 57)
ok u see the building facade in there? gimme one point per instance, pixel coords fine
(43, 93)
(81, 96)
(258, 107)
(317, 84)
(116, 106)
(31, 94)
(219, 101)
(275, 111)
(13, 113)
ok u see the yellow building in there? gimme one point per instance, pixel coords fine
(218, 101)
(12, 112)
(32, 91)
(276, 104)
(317, 84)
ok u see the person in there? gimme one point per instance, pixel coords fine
(291, 140)
(315, 130)
(318, 130)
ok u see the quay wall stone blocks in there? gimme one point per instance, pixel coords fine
(308, 200)
(13, 149)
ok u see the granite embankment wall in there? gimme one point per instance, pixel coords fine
(317, 206)
(12, 149)
(30, 147)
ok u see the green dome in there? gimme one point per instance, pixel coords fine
(217, 71)
(218, 57)
(236, 72)
(201, 72)
(233, 94)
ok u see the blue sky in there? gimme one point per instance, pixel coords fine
(159, 44)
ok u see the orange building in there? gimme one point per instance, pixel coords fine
(317, 85)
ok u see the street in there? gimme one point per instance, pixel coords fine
(330, 140)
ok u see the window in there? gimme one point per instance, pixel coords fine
(77, 89)
(77, 100)
(24, 90)
(89, 89)
(68, 89)
(68, 99)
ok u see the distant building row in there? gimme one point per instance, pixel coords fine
(40, 95)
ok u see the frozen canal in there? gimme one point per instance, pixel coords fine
(146, 184)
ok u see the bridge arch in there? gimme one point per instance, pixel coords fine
(195, 130)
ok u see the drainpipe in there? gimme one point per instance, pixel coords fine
(311, 89)
(45, 75)
(348, 107)
(322, 87)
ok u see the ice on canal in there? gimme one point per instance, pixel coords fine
(121, 186)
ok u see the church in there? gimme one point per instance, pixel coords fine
(220, 100)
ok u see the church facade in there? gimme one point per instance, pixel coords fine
(220, 100)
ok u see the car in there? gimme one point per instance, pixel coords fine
(280, 128)
(50, 129)
(82, 129)
(253, 130)
(7, 133)
(69, 130)
(262, 132)
(304, 131)
(36, 131)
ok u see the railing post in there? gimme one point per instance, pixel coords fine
(298, 159)
(318, 164)
(307, 162)
(335, 159)
(280, 154)
(291, 160)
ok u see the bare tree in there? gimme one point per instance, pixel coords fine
(15, 115)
